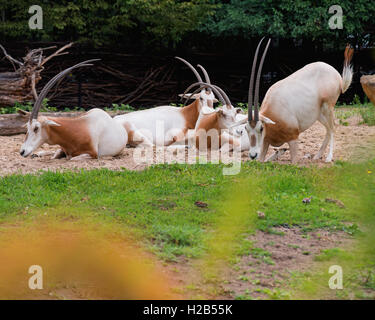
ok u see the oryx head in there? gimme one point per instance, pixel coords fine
(226, 113)
(37, 127)
(205, 95)
(255, 122)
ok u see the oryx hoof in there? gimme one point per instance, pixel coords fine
(317, 157)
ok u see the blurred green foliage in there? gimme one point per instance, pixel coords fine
(106, 21)
(291, 19)
(164, 23)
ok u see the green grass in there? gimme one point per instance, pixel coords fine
(157, 207)
(159, 202)
(366, 111)
(28, 106)
(368, 115)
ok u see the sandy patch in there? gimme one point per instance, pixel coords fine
(353, 142)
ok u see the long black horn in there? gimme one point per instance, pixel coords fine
(256, 98)
(49, 85)
(251, 84)
(192, 69)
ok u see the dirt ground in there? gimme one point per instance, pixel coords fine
(353, 141)
(292, 252)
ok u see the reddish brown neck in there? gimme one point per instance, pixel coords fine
(210, 121)
(191, 114)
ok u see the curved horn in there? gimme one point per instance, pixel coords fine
(49, 85)
(192, 69)
(194, 92)
(226, 98)
(204, 85)
(251, 84)
(218, 94)
(256, 98)
(206, 76)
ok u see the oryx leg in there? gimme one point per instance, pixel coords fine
(293, 149)
(83, 156)
(41, 154)
(278, 153)
(140, 139)
(331, 123)
(175, 137)
(59, 154)
(327, 119)
(136, 137)
(263, 152)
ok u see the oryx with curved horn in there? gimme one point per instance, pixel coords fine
(92, 135)
(294, 104)
(211, 131)
(166, 125)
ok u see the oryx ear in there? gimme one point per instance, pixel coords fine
(23, 113)
(184, 96)
(207, 110)
(238, 123)
(239, 110)
(266, 120)
(51, 123)
(215, 100)
(189, 96)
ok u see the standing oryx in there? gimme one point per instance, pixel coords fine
(91, 135)
(294, 104)
(167, 124)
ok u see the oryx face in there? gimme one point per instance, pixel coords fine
(36, 135)
(207, 98)
(227, 117)
(256, 131)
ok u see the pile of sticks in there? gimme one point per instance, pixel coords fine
(20, 85)
(100, 86)
(104, 85)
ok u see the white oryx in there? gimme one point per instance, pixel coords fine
(293, 105)
(212, 130)
(167, 124)
(92, 135)
(240, 132)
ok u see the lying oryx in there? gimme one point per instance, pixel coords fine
(92, 135)
(167, 124)
(211, 128)
(293, 104)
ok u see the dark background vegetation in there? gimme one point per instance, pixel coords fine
(137, 40)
